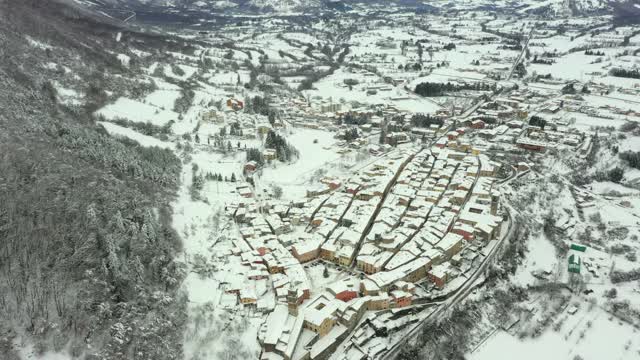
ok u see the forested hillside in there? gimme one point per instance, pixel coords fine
(86, 246)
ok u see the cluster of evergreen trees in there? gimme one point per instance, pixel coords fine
(177, 70)
(537, 60)
(632, 158)
(145, 163)
(218, 177)
(595, 53)
(568, 89)
(520, 70)
(548, 54)
(352, 118)
(284, 151)
(257, 105)
(146, 128)
(629, 126)
(235, 129)
(537, 121)
(625, 276)
(197, 182)
(429, 89)
(545, 76)
(633, 74)
(616, 174)
(351, 134)
(414, 67)
(422, 120)
(184, 102)
(254, 154)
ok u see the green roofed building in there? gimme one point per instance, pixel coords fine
(574, 263)
(578, 247)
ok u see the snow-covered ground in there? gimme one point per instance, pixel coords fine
(136, 111)
(383, 67)
(591, 334)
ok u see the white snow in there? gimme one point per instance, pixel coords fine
(591, 334)
(124, 59)
(138, 112)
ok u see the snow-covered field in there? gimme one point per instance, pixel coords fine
(591, 334)
(315, 147)
(136, 111)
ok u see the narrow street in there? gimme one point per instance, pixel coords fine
(374, 216)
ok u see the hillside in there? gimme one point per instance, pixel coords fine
(87, 256)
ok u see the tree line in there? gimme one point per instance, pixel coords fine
(537, 60)
(594, 53)
(624, 73)
(429, 89)
(632, 158)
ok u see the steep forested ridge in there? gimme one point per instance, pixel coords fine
(86, 244)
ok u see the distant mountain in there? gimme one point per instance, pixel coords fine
(546, 7)
(281, 6)
(626, 12)
(562, 7)
(276, 6)
(263, 6)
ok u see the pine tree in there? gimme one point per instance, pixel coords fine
(118, 221)
(383, 135)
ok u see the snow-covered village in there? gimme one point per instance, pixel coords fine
(341, 180)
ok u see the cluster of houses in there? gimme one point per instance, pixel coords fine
(211, 120)
(314, 329)
(266, 233)
(343, 217)
(511, 132)
(410, 216)
(443, 200)
(440, 210)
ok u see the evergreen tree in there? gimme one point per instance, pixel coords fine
(383, 135)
